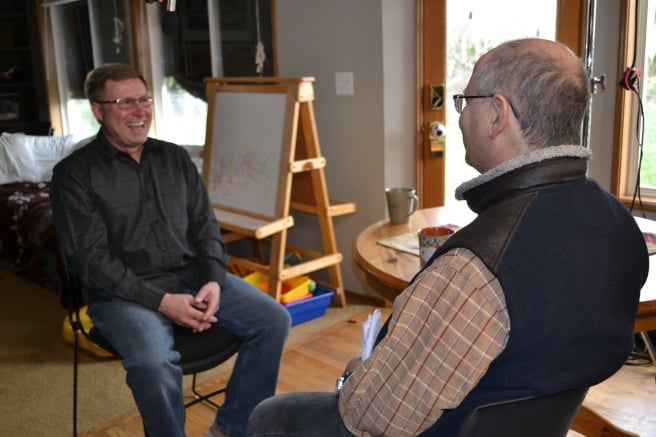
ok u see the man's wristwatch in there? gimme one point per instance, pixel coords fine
(340, 381)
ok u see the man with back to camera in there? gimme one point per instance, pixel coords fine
(133, 216)
(538, 295)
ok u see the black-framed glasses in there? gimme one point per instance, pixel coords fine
(129, 102)
(460, 101)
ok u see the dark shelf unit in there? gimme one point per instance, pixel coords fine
(23, 101)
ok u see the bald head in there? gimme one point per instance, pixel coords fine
(545, 83)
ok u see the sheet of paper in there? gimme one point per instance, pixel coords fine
(370, 330)
(407, 242)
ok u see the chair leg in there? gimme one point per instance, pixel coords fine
(649, 346)
(592, 424)
(199, 397)
(75, 362)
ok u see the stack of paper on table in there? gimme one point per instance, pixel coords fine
(405, 243)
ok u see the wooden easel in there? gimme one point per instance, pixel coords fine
(261, 160)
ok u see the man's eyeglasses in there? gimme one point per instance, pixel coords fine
(460, 101)
(129, 102)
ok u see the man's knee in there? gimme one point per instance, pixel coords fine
(153, 364)
(269, 415)
(314, 414)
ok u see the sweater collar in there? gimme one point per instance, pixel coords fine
(536, 169)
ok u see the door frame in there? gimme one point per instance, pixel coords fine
(430, 49)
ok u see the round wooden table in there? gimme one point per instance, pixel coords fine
(389, 270)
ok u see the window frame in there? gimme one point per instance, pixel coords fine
(625, 143)
(50, 13)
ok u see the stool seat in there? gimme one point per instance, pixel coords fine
(204, 350)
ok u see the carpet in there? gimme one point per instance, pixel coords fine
(36, 365)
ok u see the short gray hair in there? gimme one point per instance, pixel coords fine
(94, 85)
(549, 99)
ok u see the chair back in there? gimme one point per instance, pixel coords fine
(542, 416)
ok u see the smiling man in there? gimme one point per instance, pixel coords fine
(133, 216)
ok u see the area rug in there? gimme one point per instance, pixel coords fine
(36, 365)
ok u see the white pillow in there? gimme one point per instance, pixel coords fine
(31, 158)
(6, 168)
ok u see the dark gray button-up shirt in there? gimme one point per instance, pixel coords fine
(135, 231)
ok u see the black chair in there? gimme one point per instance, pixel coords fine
(543, 416)
(199, 352)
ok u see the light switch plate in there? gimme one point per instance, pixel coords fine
(344, 83)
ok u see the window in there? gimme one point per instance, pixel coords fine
(77, 52)
(635, 145)
(93, 32)
(186, 57)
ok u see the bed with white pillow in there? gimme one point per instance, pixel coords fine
(28, 243)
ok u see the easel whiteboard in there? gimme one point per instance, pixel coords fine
(261, 160)
(247, 151)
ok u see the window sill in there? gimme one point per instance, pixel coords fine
(646, 203)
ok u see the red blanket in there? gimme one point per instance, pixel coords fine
(28, 244)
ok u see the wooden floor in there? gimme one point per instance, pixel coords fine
(628, 398)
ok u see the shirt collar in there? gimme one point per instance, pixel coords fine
(112, 152)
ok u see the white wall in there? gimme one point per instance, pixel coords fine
(368, 138)
(399, 80)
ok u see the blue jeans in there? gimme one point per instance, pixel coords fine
(298, 415)
(144, 340)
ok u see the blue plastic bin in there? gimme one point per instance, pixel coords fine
(311, 308)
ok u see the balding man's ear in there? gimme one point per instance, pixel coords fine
(502, 112)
